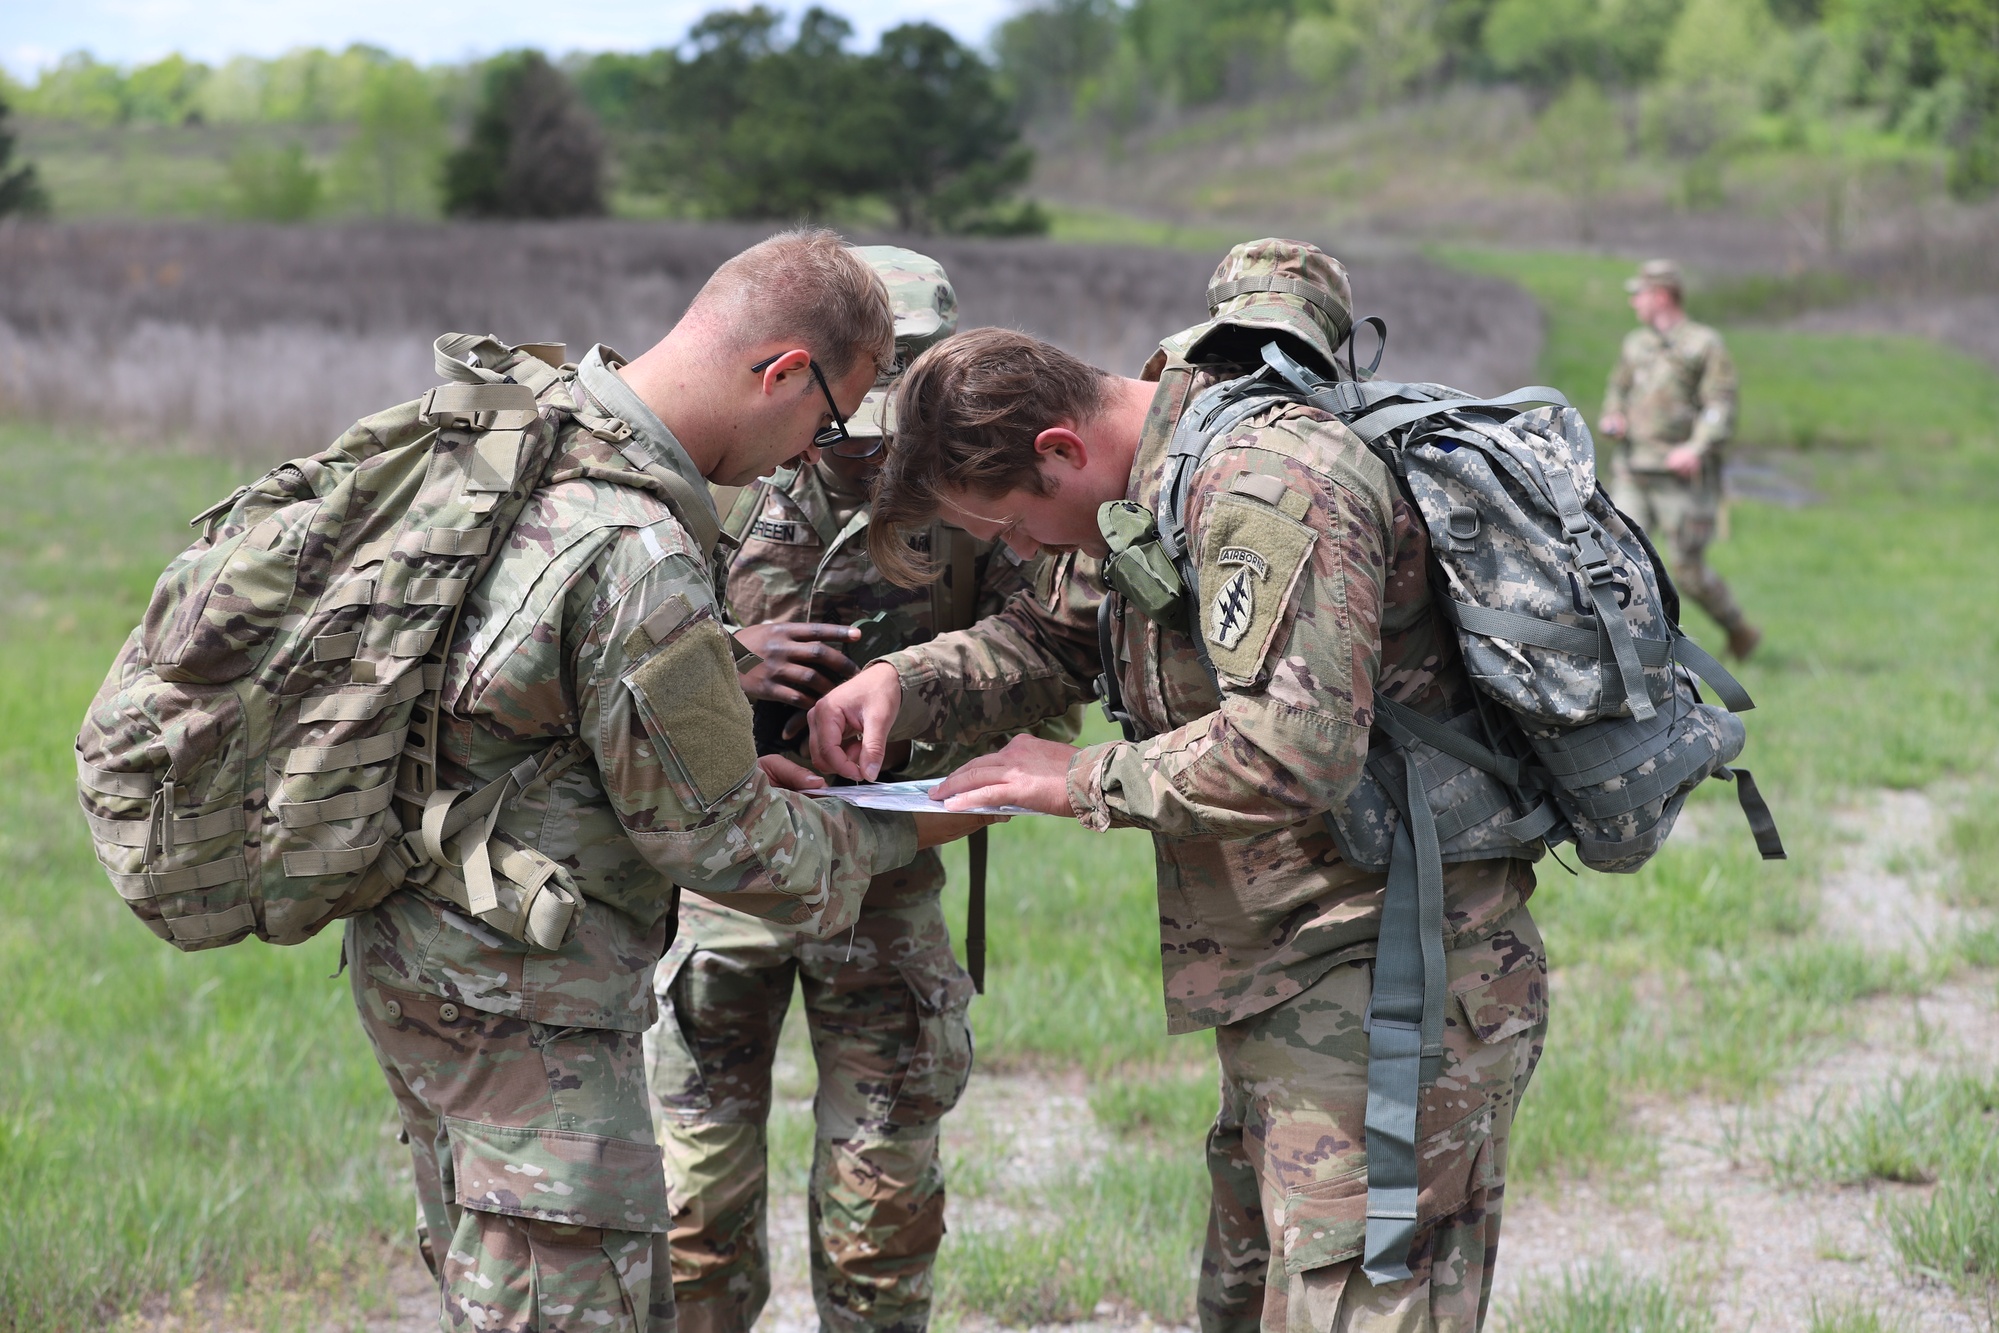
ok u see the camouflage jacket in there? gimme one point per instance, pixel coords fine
(1255, 904)
(599, 623)
(804, 556)
(1673, 388)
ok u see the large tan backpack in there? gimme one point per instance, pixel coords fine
(261, 759)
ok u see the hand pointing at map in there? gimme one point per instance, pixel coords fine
(1029, 772)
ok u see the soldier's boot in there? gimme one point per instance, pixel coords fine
(1742, 639)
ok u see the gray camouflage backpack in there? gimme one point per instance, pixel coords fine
(262, 758)
(1588, 727)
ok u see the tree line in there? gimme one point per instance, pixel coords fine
(1706, 77)
(749, 117)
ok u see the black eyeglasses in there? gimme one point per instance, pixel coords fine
(834, 437)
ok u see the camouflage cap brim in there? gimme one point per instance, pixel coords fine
(875, 416)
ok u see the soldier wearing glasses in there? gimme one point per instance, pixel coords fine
(885, 1003)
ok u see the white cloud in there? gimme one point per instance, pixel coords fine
(134, 31)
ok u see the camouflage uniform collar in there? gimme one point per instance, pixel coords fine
(597, 373)
(1176, 385)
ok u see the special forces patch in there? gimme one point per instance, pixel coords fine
(1252, 553)
(1234, 609)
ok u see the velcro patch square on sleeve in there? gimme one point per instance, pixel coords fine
(695, 710)
(1251, 557)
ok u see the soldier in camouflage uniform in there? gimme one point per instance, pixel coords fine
(519, 1073)
(1671, 404)
(885, 1003)
(1267, 935)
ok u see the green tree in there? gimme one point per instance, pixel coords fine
(166, 92)
(80, 89)
(274, 184)
(1200, 51)
(1377, 48)
(948, 151)
(769, 128)
(1578, 143)
(1048, 52)
(534, 150)
(20, 188)
(1710, 84)
(390, 165)
(1550, 43)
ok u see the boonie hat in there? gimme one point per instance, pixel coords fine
(1280, 287)
(1655, 273)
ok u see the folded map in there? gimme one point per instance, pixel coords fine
(912, 796)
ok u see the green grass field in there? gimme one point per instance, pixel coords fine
(216, 1119)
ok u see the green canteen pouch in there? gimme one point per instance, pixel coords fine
(1138, 567)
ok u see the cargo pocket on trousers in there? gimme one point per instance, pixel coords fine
(941, 1063)
(673, 1075)
(559, 1176)
(1324, 1222)
(1501, 982)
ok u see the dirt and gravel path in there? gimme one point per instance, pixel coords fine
(1712, 1220)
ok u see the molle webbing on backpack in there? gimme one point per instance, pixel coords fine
(263, 756)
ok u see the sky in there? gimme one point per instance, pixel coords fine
(34, 33)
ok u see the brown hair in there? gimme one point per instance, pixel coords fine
(806, 284)
(966, 416)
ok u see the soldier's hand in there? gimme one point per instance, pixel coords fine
(938, 829)
(1612, 424)
(1684, 461)
(789, 773)
(799, 663)
(851, 724)
(1029, 772)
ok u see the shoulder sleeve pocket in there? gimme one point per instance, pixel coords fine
(1252, 554)
(687, 693)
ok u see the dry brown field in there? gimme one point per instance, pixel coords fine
(269, 340)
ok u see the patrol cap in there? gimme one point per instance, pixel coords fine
(1655, 273)
(1278, 287)
(920, 294)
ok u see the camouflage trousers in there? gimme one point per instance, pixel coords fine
(1288, 1161)
(1681, 517)
(886, 1010)
(538, 1185)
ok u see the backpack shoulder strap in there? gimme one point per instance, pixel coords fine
(694, 509)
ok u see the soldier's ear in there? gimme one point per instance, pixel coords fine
(1060, 444)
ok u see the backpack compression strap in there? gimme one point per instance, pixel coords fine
(1404, 1026)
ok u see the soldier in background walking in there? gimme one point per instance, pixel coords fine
(1671, 405)
(886, 1002)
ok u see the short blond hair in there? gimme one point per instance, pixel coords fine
(805, 284)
